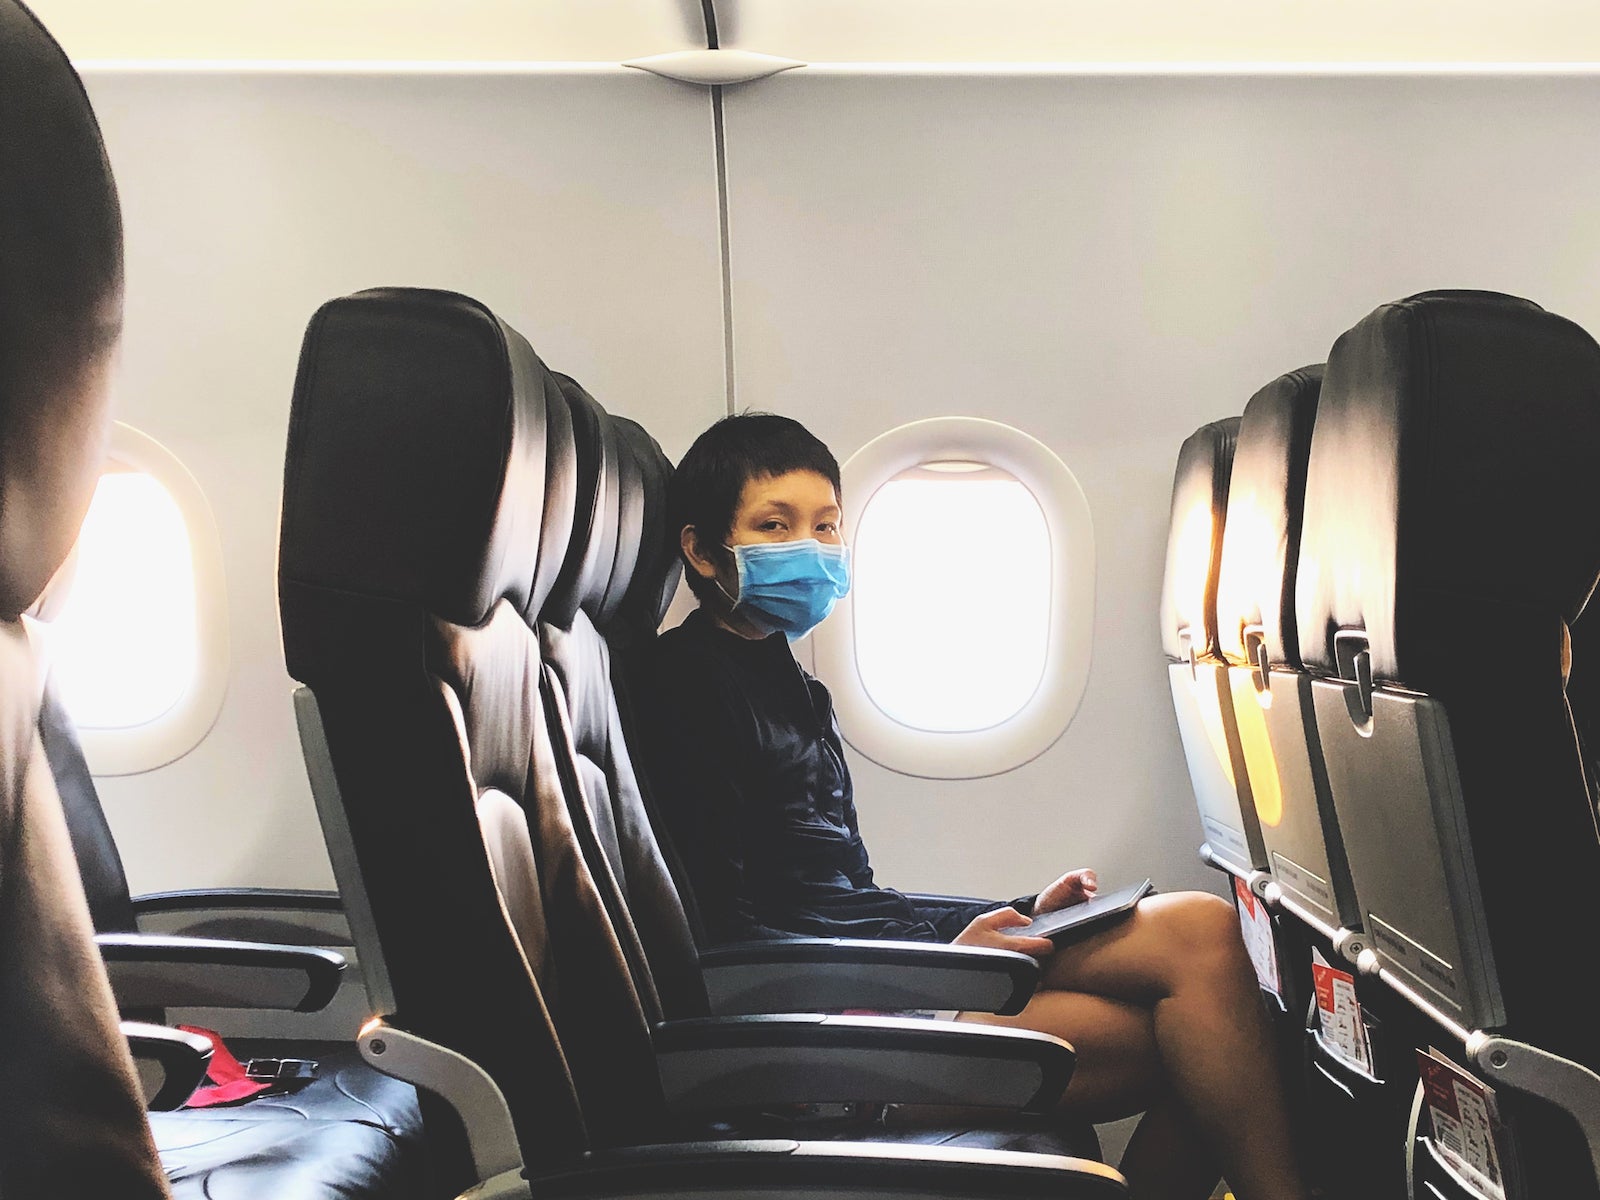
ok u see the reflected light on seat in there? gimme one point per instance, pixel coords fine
(1208, 685)
(951, 596)
(1260, 763)
(1191, 567)
(1254, 551)
(126, 647)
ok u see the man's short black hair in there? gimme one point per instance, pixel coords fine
(705, 488)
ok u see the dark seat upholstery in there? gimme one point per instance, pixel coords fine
(345, 1088)
(419, 543)
(1450, 548)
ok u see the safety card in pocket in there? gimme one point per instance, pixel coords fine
(1467, 1130)
(1341, 1030)
(1256, 925)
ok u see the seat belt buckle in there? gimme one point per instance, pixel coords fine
(280, 1070)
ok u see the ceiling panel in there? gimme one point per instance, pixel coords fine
(369, 30)
(1025, 31)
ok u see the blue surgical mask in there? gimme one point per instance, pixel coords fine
(789, 586)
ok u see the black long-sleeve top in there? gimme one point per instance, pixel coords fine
(749, 775)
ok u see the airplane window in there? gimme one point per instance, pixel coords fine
(913, 547)
(124, 648)
(940, 670)
(137, 644)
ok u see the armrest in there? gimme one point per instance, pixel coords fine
(192, 899)
(148, 971)
(739, 1062)
(816, 1169)
(825, 974)
(170, 1062)
(286, 916)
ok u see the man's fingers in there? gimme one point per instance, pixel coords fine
(1037, 947)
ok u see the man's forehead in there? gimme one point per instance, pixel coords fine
(799, 489)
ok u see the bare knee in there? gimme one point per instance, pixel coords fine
(1202, 931)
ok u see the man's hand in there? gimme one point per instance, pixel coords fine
(985, 931)
(1072, 888)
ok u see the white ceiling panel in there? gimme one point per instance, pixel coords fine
(374, 30)
(1137, 31)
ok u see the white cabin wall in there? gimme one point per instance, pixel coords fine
(1106, 262)
(581, 208)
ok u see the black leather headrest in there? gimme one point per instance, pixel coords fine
(415, 464)
(560, 494)
(630, 527)
(1194, 540)
(60, 305)
(1452, 467)
(1261, 537)
(591, 554)
(658, 569)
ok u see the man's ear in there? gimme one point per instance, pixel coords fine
(689, 542)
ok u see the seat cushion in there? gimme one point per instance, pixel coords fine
(206, 1158)
(345, 1089)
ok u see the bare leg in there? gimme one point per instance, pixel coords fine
(1180, 959)
(1118, 1074)
(1169, 1156)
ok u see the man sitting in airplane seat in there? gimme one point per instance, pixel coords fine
(1162, 1008)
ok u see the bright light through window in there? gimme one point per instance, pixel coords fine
(126, 645)
(951, 596)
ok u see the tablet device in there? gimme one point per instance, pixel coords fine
(1080, 920)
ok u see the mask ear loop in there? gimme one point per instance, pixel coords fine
(738, 567)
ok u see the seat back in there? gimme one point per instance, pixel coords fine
(626, 600)
(1257, 636)
(1197, 671)
(426, 518)
(70, 1104)
(414, 510)
(105, 883)
(1450, 545)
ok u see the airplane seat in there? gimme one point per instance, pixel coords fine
(1197, 670)
(589, 630)
(1449, 547)
(1256, 636)
(411, 571)
(642, 897)
(409, 555)
(344, 1088)
(1353, 1098)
